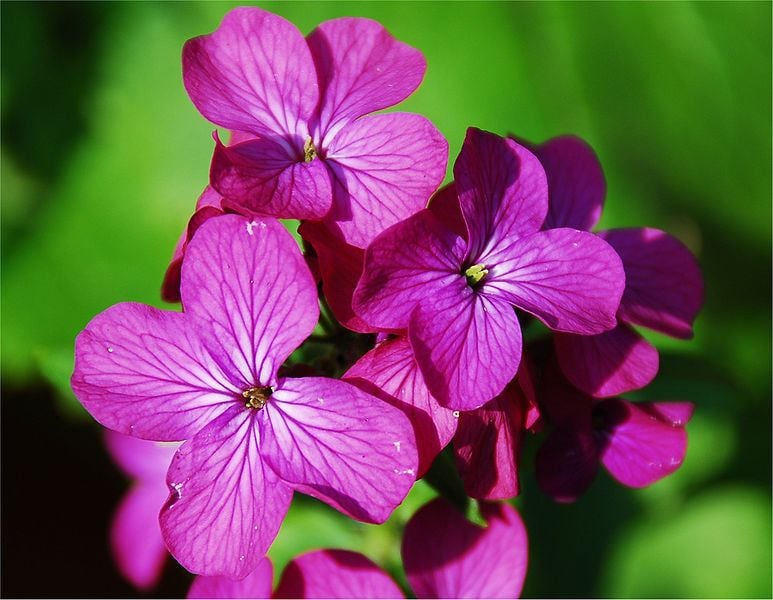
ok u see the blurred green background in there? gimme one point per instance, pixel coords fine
(103, 157)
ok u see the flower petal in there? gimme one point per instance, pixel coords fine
(468, 346)
(328, 439)
(335, 574)
(502, 190)
(607, 364)
(140, 459)
(390, 372)
(444, 204)
(362, 69)
(253, 74)
(151, 373)
(664, 286)
(566, 463)
(250, 280)
(226, 505)
(386, 168)
(675, 413)
(446, 556)
(571, 280)
(263, 177)
(256, 585)
(407, 263)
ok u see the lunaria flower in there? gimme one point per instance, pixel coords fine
(445, 556)
(135, 536)
(638, 443)
(455, 294)
(209, 375)
(316, 151)
(663, 283)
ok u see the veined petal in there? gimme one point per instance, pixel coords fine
(467, 346)
(151, 373)
(386, 167)
(328, 439)
(226, 505)
(253, 74)
(571, 280)
(256, 585)
(446, 556)
(664, 286)
(502, 191)
(265, 178)
(607, 364)
(361, 69)
(390, 372)
(335, 574)
(249, 279)
(412, 260)
(140, 459)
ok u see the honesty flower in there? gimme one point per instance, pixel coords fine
(210, 375)
(314, 155)
(663, 283)
(455, 294)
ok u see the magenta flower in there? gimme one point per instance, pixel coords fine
(316, 151)
(210, 376)
(638, 443)
(663, 291)
(135, 536)
(455, 295)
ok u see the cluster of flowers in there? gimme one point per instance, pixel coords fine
(424, 294)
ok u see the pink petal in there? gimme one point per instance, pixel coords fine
(335, 574)
(468, 346)
(151, 373)
(407, 263)
(607, 364)
(502, 189)
(390, 372)
(362, 69)
(675, 413)
(226, 505)
(256, 585)
(639, 448)
(386, 168)
(575, 182)
(328, 439)
(444, 204)
(264, 177)
(253, 74)
(446, 556)
(571, 280)
(249, 279)
(664, 286)
(140, 459)
(567, 463)
(135, 537)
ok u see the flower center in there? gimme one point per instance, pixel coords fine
(309, 151)
(256, 397)
(475, 274)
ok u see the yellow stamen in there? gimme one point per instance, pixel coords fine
(475, 274)
(256, 397)
(309, 151)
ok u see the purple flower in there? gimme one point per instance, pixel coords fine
(455, 294)
(316, 152)
(663, 290)
(209, 375)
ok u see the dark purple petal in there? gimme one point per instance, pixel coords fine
(664, 286)
(468, 346)
(571, 280)
(267, 178)
(409, 262)
(502, 190)
(567, 463)
(226, 505)
(253, 74)
(390, 372)
(361, 69)
(444, 204)
(249, 279)
(575, 183)
(329, 439)
(386, 167)
(562, 403)
(335, 574)
(607, 364)
(256, 585)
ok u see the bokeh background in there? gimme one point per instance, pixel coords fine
(103, 157)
